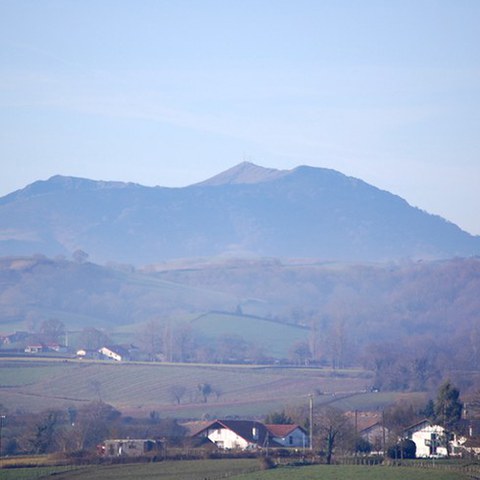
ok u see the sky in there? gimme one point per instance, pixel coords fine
(172, 92)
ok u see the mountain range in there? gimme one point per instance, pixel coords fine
(245, 211)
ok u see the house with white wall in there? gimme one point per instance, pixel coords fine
(117, 353)
(289, 436)
(249, 434)
(430, 439)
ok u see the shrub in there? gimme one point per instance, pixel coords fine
(266, 463)
(403, 449)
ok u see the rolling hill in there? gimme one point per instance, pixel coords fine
(346, 313)
(245, 211)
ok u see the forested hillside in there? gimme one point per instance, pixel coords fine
(397, 319)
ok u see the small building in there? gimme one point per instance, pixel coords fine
(34, 348)
(17, 337)
(129, 447)
(56, 347)
(375, 433)
(471, 446)
(86, 353)
(116, 353)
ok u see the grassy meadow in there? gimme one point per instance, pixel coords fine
(170, 470)
(276, 342)
(240, 469)
(351, 472)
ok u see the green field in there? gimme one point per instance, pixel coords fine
(351, 472)
(183, 470)
(32, 473)
(139, 388)
(245, 469)
(275, 339)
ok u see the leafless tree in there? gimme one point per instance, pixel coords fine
(177, 392)
(150, 339)
(93, 424)
(330, 426)
(52, 330)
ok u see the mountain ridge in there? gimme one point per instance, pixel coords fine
(244, 173)
(246, 210)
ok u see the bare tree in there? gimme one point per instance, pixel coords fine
(330, 426)
(52, 330)
(338, 344)
(150, 339)
(94, 339)
(183, 340)
(177, 392)
(300, 353)
(96, 387)
(167, 341)
(43, 436)
(94, 422)
(231, 348)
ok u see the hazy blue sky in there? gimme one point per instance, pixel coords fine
(171, 92)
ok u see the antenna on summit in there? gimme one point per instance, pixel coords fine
(246, 158)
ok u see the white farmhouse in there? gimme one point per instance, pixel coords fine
(429, 439)
(117, 353)
(248, 434)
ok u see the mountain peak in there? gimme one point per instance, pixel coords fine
(244, 172)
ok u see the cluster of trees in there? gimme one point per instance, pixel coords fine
(201, 393)
(77, 429)
(184, 343)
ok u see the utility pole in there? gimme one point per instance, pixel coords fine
(384, 442)
(356, 431)
(2, 420)
(310, 397)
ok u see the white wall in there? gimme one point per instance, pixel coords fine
(227, 439)
(426, 435)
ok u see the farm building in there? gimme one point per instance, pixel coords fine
(117, 353)
(87, 353)
(129, 447)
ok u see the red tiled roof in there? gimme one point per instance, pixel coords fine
(281, 431)
(472, 442)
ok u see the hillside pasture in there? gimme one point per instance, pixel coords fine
(274, 339)
(139, 388)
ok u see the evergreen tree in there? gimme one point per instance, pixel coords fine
(448, 407)
(429, 410)
(278, 418)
